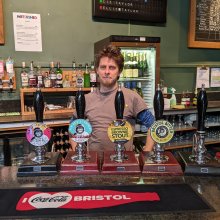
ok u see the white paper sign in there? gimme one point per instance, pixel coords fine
(27, 32)
(215, 77)
(202, 77)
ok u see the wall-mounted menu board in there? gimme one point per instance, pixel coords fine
(2, 39)
(204, 24)
(136, 10)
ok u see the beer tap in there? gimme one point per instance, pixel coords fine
(38, 134)
(160, 161)
(158, 156)
(199, 152)
(79, 126)
(119, 109)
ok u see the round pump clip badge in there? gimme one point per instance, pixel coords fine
(38, 134)
(161, 131)
(120, 131)
(80, 130)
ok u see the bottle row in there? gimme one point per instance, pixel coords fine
(61, 141)
(55, 77)
(135, 63)
(7, 74)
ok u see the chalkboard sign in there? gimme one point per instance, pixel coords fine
(204, 25)
(2, 39)
(136, 10)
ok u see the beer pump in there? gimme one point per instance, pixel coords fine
(199, 161)
(120, 131)
(80, 161)
(38, 135)
(160, 162)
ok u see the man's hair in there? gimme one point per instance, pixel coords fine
(111, 52)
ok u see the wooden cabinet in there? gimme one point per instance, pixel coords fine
(52, 96)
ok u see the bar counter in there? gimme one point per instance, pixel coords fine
(208, 187)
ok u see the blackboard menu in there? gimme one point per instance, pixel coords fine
(208, 20)
(204, 25)
(136, 10)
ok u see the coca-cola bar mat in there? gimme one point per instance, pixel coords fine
(104, 200)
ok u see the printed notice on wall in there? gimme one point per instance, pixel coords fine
(27, 32)
(215, 77)
(202, 77)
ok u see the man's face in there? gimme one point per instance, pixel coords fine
(108, 72)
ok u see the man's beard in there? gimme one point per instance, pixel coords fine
(108, 82)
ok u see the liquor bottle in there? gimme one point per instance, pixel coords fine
(65, 136)
(11, 84)
(93, 76)
(127, 66)
(195, 97)
(86, 77)
(140, 65)
(79, 77)
(135, 65)
(122, 74)
(47, 81)
(183, 98)
(59, 76)
(32, 78)
(57, 146)
(40, 80)
(66, 145)
(145, 64)
(73, 78)
(24, 76)
(10, 67)
(53, 76)
(57, 137)
(187, 99)
(66, 81)
(1, 68)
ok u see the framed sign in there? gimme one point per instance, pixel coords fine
(2, 39)
(135, 10)
(204, 24)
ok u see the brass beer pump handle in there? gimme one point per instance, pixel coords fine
(119, 104)
(202, 103)
(158, 104)
(38, 104)
(80, 104)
